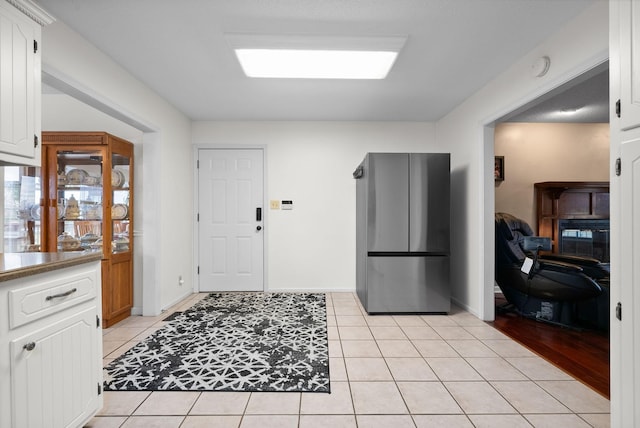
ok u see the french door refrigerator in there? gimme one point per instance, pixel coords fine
(403, 232)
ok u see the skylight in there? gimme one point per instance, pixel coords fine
(314, 57)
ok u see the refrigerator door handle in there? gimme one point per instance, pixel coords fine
(359, 172)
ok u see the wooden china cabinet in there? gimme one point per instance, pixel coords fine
(87, 191)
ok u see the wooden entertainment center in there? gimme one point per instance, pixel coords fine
(559, 202)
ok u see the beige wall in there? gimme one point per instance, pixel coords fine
(535, 152)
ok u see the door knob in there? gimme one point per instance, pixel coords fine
(259, 228)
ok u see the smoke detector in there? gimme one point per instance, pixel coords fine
(540, 67)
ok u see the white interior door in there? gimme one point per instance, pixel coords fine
(231, 220)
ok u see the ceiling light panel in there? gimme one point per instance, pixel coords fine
(315, 64)
(310, 57)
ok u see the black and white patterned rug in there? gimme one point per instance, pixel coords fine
(232, 342)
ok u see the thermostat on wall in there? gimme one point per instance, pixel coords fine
(287, 205)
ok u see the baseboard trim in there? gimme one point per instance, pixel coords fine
(464, 306)
(177, 300)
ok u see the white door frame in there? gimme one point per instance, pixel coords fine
(487, 195)
(486, 183)
(265, 211)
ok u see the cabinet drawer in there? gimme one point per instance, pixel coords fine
(51, 295)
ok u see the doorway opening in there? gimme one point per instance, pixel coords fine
(562, 137)
(147, 296)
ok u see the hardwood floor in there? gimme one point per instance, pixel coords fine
(583, 354)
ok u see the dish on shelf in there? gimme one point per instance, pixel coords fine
(29, 211)
(92, 181)
(117, 178)
(87, 239)
(72, 210)
(77, 176)
(60, 211)
(35, 212)
(120, 244)
(96, 245)
(66, 242)
(119, 211)
(91, 211)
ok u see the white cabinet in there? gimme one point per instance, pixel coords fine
(629, 65)
(20, 87)
(624, 51)
(51, 348)
(51, 373)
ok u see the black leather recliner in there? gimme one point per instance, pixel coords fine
(566, 290)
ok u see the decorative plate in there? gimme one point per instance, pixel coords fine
(117, 178)
(35, 212)
(92, 181)
(119, 211)
(76, 176)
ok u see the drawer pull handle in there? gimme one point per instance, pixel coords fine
(29, 346)
(65, 294)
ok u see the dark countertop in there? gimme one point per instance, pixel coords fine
(20, 265)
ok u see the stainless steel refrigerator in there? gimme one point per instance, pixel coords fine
(403, 232)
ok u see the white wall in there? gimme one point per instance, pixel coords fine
(60, 112)
(167, 199)
(536, 152)
(580, 45)
(165, 217)
(312, 247)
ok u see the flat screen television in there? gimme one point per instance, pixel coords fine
(584, 237)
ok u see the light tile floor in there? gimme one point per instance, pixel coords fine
(386, 371)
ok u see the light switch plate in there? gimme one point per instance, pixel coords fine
(274, 205)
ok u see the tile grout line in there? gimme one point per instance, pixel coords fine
(344, 363)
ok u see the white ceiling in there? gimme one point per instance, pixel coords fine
(584, 99)
(178, 48)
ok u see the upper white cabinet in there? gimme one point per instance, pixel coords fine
(21, 24)
(629, 107)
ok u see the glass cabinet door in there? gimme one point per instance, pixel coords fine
(22, 193)
(80, 200)
(121, 207)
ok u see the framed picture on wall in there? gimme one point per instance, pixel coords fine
(498, 169)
